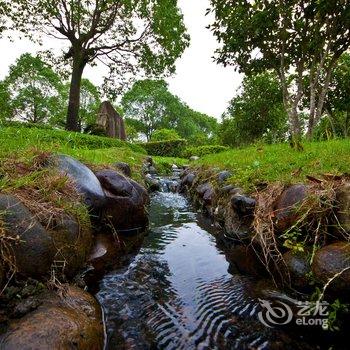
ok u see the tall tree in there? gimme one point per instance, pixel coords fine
(149, 106)
(338, 100)
(33, 89)
(256, 112)
(126, 35)
(295, 38)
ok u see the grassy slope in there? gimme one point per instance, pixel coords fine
(273, 163)
(19, 140)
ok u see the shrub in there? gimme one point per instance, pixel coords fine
(165, 135)
(203, 150)
(170, 148)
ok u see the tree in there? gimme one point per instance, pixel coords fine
(33, 89)
(89, 104)
(338, 101)
(295, 38)
(257, 112)
(149, 106)
(128, 36)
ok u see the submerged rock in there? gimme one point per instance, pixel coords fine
(126, 201)
(124, 168)
(331, 260)
(298, 267)
(70, 321)
(244, 259)
(286, 207)
(32, 246)
(85, 180)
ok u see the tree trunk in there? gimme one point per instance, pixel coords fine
(74, 93)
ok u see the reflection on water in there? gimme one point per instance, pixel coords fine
(178, 294)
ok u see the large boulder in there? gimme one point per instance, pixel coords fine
(72, 320)
(331, 260)
(343, 209)
(187, 181)
(126, 201)
(298, 268)
(286, 207)
(73, 244)
(85, 180)
(32, 246)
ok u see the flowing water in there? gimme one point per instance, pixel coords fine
(177, 292)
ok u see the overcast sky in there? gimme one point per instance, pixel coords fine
(201, 83)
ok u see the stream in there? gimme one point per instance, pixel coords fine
(178, 293)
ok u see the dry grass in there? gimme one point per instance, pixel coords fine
(311, 230)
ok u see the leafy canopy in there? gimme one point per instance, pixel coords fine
(33, 90)
(257, 112)
(150, 106)
(129, 36)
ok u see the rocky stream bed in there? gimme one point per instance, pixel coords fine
(193, 280)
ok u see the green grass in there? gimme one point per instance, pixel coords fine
(271, 163)
(21, 137)
(95, 150)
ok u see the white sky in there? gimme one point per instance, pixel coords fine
(200, 82)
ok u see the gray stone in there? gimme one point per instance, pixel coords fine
(298, 267)
(330, 260)
(152, 170)
(194, 158)
(124, 168)
(152, 184)
(85, 180)
(126, 201)
(33, 247)
(244, 206)
(224, 175)
(286, 207)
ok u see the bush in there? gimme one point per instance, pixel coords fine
(165, 135)
(171, 148)
(203, 150)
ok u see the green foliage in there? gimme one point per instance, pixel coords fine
(201, 151)
(149, 106)
(33, 90)
(165, 135)
(171, 148)
(129, 36)
(306, 38)
(256, 113)
(336, 122)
